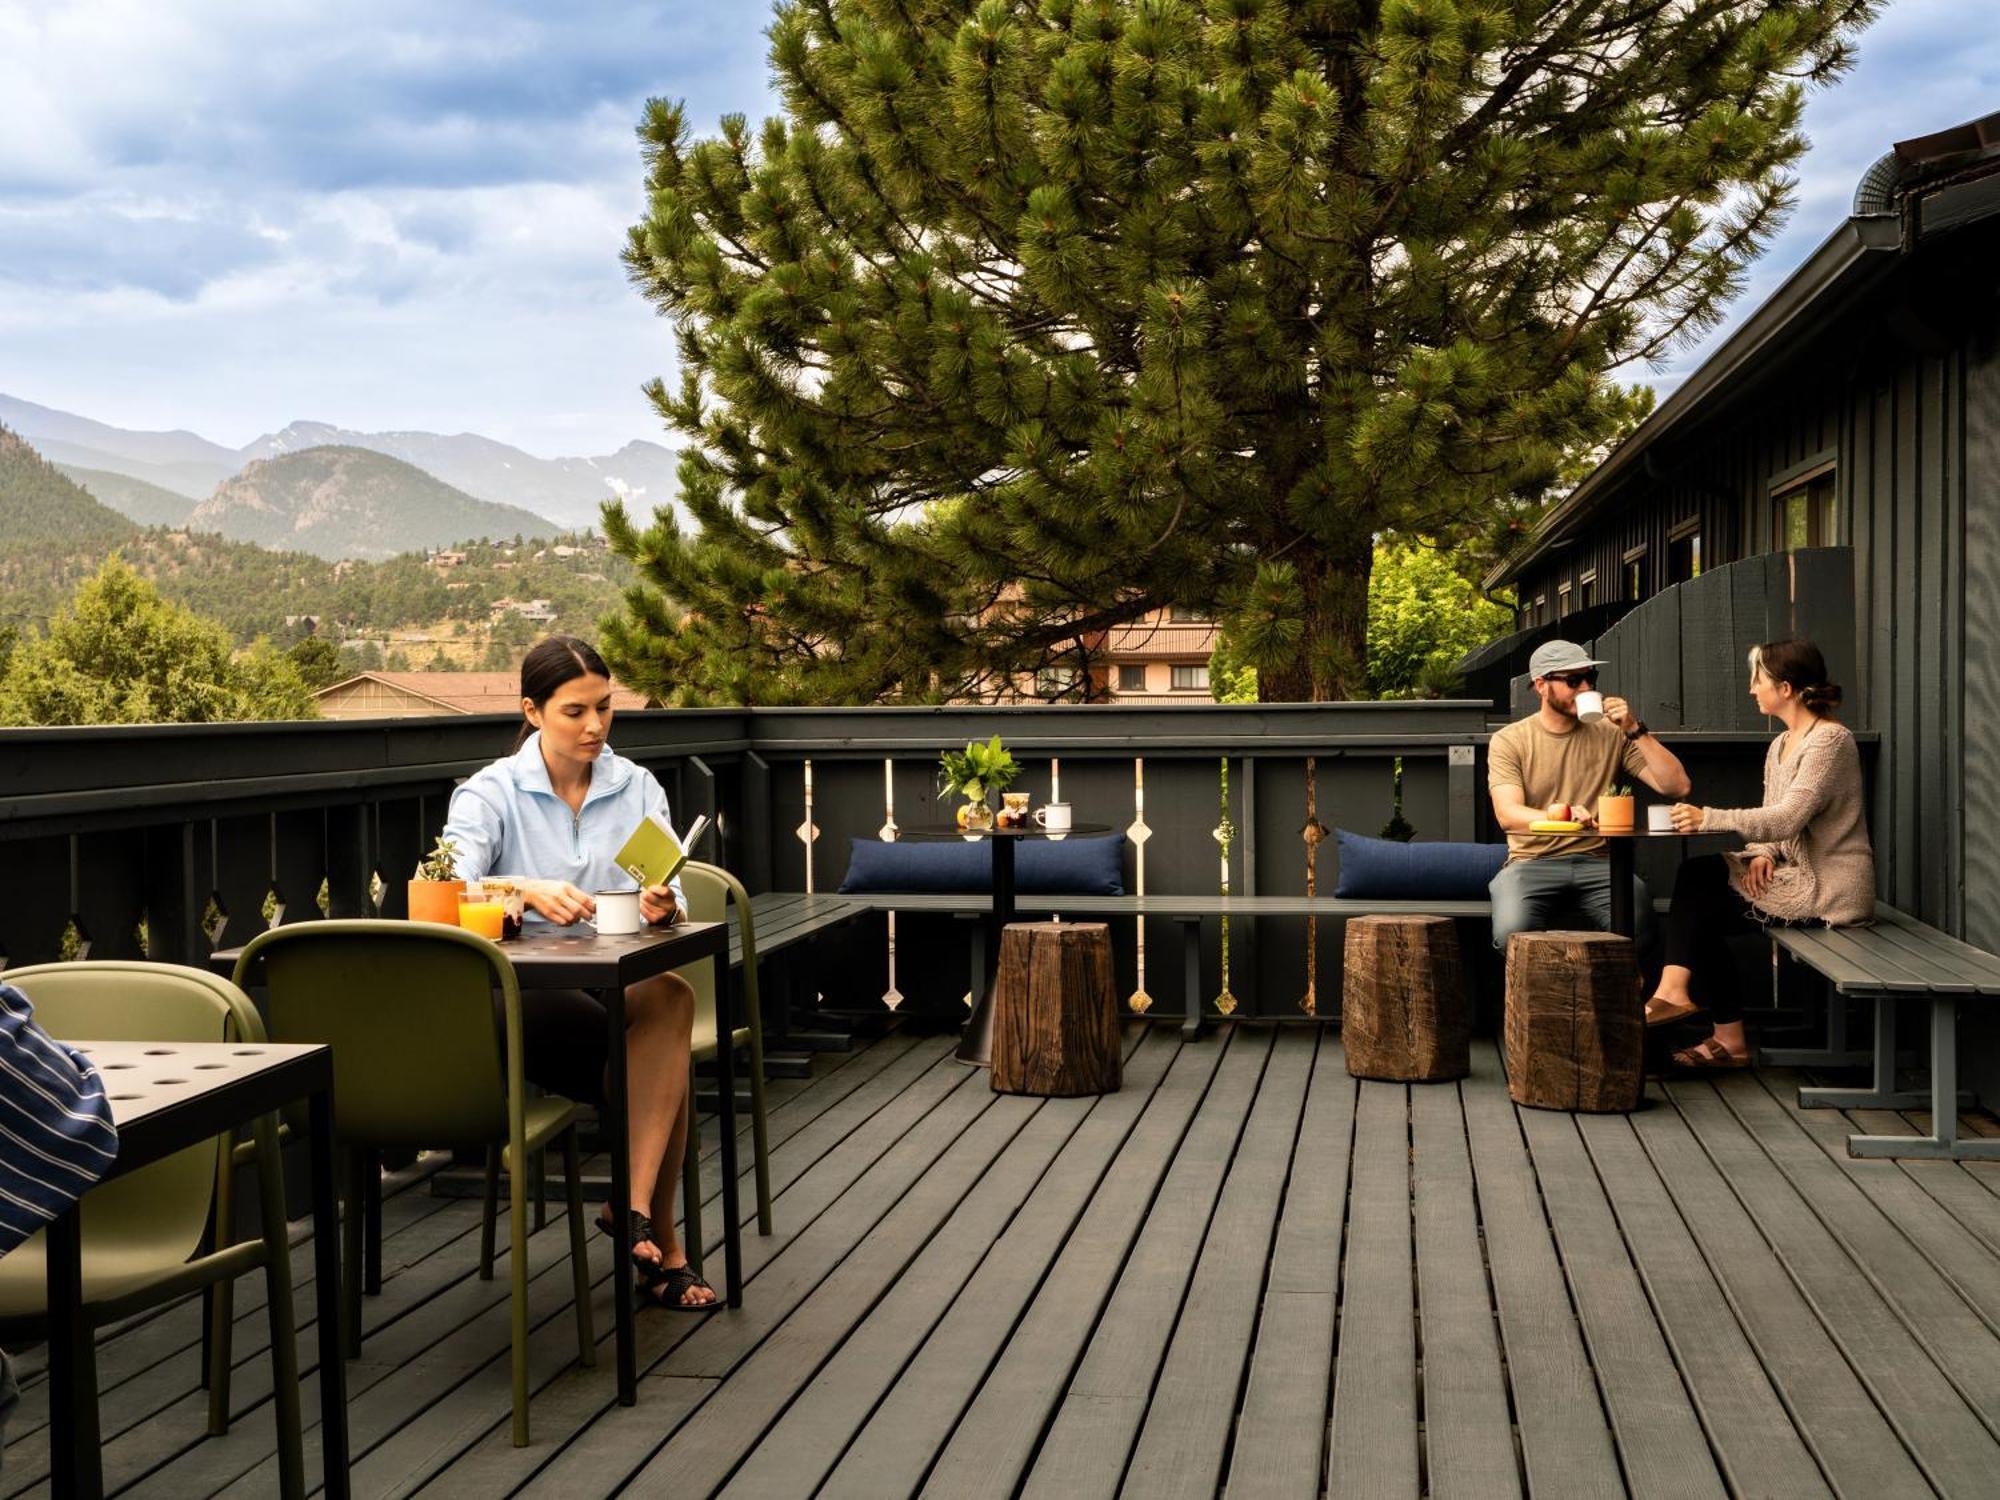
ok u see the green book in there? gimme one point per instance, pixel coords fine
(653, 855)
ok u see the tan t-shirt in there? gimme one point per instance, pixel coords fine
(1575, 767)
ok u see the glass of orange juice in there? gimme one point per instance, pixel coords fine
(482, 912)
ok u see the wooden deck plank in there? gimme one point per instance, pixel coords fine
(1185, 1438)
(1565, 1439)
(1748, 1429)
(1832, 1410)
(817, 1168)
(1957, 1453)
(1281, 1433)
(1953, 1250)
(996, 1437)
(1089, 1441)
(1060, 1238)
(1817, 1310)
(1957, 1190)
(386, 1398)
(807, 1299)
(1937, 1277)
(1468, 1434)
(1372, 1442)
(796, 1455)
(1660, 1442)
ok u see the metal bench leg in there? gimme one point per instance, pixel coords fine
(1838, 1051)
(1191, 970)
(1945, 1098)
(1883, 1093)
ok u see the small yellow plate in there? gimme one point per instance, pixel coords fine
(1551, 825)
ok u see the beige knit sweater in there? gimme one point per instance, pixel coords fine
(1814, 827)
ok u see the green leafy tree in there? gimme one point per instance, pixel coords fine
(119, 653)
(318, 662)
(1024, 319)
(1423, 615)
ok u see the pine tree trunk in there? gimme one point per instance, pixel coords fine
(1332, 662)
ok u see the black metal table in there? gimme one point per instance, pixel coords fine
(556, 958)
(165, 1097)
(1619, 845)
(975, 1043)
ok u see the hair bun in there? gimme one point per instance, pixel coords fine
(1821, 695)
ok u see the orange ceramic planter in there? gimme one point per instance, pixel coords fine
(1615, 812)
(435, 901)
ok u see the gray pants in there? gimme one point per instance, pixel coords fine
(1567, 891)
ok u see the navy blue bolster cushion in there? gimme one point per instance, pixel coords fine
(1042, 867)
(1389, 870)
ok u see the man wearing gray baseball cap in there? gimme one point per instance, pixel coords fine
(1553, 766)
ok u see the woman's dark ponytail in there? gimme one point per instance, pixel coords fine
(548, 665)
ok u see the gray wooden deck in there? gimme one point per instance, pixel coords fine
(1244, 1273)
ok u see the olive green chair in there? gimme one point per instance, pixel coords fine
(418, 1061)
(709, 889)
(146, 1236)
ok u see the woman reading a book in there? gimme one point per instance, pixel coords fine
(553, 816)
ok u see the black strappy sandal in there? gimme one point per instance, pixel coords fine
(675, 1283)
(638, 1231)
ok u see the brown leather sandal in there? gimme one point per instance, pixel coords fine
(1660, 1011)
(1709, 1056)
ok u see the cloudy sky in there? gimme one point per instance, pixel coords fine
(225, 216)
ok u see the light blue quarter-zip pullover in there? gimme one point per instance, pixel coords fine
(508, 820)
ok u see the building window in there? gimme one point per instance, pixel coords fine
(1684, 553)
(1804, 514)
(1054, 682)
(1190, 677)
(1586, 591)
(1537, 611)
(1131, 677)
(1187, 614)
(1635, 575)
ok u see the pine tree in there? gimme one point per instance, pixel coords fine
(1025, 319)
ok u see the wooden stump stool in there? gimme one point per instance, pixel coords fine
(1402, 1003)
(1576, 1031)
(1055, 1011)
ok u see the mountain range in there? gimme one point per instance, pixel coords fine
(567, 491)
(338, 502)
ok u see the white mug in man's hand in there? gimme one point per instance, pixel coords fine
(1053, 818)
(1590, 705)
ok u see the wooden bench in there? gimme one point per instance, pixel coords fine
(1899, 958)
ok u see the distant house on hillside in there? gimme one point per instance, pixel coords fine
(400, 695)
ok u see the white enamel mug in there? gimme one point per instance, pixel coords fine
(1053, 818)
(1590, 705)
(617, 912)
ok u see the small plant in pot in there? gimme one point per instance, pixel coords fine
(435, 889)
(976, 773)
(1615, 808)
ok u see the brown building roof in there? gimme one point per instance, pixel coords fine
(391, 693)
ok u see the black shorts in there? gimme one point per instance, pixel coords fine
(564, 1037)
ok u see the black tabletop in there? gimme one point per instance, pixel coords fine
(951, 831)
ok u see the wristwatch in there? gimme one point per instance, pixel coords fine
(1638, 731)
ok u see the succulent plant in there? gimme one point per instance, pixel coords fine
(441, 863)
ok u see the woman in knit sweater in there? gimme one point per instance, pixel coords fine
(1808, 859)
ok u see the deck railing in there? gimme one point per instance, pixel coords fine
(168, 841)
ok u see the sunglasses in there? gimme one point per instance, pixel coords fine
(1575, 679)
